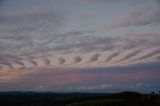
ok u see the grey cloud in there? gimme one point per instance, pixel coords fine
(130, 55)
(76, 33)
(47, 61)
(61, 60)
(1, 67)
(94, 57)
(77, 59)
(28, 33)
(34, 34)
(87, 43)
(113, 55)
(138, 19)
(91, 88)
(33, 62)
(92, 43)
(20, 63)
(6, 63)
(158, 58)
(9, 65)
(157, 51)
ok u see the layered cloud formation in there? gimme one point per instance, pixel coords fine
(55, 40)
(38, 33)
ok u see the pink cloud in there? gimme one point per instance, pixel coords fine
(138, 19)
(8, 76)
(60, 78)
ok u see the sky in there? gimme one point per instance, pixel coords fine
(80, 45)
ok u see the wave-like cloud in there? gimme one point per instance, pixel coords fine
(20, 63)
(77, 59)
(157, 51)
(128, 56)
(35, 33)
(47, 61)
(61, 60)
(27, 34)
(94, 58)
(33, 62)
(113, 55)
(9, 65)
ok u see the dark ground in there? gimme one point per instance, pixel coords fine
(78, 99)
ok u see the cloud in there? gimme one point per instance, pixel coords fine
(85, 44)
(130, 19)
(8, 64)
(33, 62)
(138, 19)
(27, 34)
(157, 51)
(38, 32)
(47, 61)
(51, 78)
(61, 60)
(128, 56)
(94, 58)
(113, 55)
(91, 88)
(39, 88)
(20, 63)
(158, 58)
(91, 43)
(77, 59)
(10, 76)
(1, 67)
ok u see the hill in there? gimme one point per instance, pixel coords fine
(78, 99)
